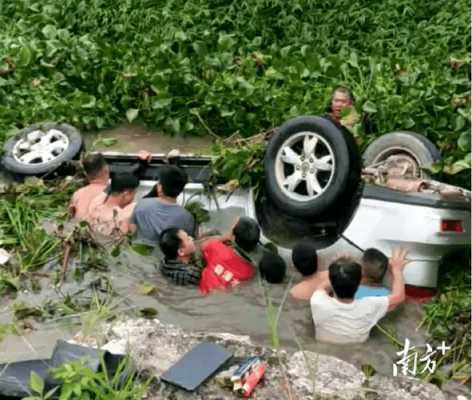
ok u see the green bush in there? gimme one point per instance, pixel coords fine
(78, 382)
(243, 66)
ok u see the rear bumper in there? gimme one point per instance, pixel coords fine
(386, 225)
(418, 228)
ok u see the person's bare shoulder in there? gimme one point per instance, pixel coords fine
(76, 195)
(300, 292)
(305, 289)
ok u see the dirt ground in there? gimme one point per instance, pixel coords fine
(133, 137)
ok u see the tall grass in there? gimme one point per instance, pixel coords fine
(273, 314)
(22, 230)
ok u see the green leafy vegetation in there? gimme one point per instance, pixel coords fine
(80, 382)
(201, 67)
(447, 322)
(239, 162)
(447, 319)
(199, 213)
(38, 389)
(23, 210)
(35, 229)
(7, 329)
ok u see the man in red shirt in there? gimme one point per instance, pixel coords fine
(225, 257)
(226, 261)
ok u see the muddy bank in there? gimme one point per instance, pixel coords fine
(131, 138)
(155, 346)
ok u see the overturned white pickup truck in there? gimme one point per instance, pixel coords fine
(313, 188)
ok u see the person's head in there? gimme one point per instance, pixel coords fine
(246, 233)
(304, 257)
(96, 167)
(342, 97)
(345, 275)
(172, 181)
(374, 265)
(176, 244)
(123, 188)
(272, 267)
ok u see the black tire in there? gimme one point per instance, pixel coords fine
(341, 180)
(73, 149)
(417, 146)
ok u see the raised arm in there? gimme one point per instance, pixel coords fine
(144, 158)
(137, 168)
(396, 265)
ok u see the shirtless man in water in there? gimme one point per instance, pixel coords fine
(97, 173)
(305, 261)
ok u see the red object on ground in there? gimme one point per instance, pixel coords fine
(224, 267)
(418, 295)
(253, 379)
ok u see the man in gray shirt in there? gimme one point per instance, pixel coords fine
(153, 215)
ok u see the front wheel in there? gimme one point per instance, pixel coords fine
(41, 148)
(307, 166)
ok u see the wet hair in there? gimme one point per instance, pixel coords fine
(170, 242)
(122, 182)
(374, 265)
(246, 233)
(93, 164)
(272, 267)
(304, 257)
(172, 180)
(345, 276)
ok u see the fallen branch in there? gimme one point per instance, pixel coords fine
(287, 385)
(40, 274)
(236, 140)
(207, 127)
(65, 262)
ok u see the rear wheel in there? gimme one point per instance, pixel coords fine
(402, 153)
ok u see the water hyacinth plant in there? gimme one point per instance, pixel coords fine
(201, 67)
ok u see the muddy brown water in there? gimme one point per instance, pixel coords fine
(241, 311)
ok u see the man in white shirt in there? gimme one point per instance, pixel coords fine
(341, 319)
